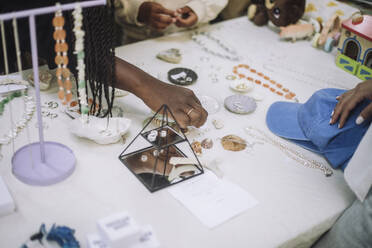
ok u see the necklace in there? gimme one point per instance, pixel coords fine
(79, 51)
(61, 59)
(231, 53)
(29, 106)
(279, 89)
(291, 153)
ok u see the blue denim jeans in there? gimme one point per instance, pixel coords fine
(353, 229)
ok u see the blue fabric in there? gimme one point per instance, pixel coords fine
(308, 126)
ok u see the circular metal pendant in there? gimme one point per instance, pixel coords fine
(240, 104)
(182, 76)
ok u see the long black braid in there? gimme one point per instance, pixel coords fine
(100, 55)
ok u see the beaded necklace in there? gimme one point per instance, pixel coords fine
(79, 51)
(258, 134)
(61, 59)
(279, 89)
(231, 54)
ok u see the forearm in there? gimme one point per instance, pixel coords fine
(133, 79)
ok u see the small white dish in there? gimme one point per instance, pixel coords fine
(98, 131)
(241, 85)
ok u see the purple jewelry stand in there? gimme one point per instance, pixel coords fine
(43, 163)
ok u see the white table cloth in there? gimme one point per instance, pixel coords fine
(296, 204)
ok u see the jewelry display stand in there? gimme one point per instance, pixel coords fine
(161, 156)
(43, 162)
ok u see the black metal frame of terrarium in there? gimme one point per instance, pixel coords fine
(159, 152)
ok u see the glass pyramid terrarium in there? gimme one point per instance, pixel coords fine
(161, 155)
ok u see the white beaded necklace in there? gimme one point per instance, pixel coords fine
(231, 53)
(293, 154)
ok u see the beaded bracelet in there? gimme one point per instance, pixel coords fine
(79, 51)
(280, 90)
(61, 59)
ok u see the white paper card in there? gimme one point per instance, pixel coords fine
(212, 200)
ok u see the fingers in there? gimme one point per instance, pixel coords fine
(162, 10)
(197, 114)
(182, 119)
(365, 114)
(166, 19)
(347, 102)
(186, 18)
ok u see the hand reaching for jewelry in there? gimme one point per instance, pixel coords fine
(183, 103)
(349, 100)
(186, 18)
(155, 15)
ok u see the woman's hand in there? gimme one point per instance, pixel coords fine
(155, 15)
(349, 100)
(183, 103)
(186, 18)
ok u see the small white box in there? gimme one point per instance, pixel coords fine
(7, 205)
(147, 239)
(119, 230)
(95, 241)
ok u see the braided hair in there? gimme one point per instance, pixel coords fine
(100, 56)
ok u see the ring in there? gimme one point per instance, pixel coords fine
(189, 112)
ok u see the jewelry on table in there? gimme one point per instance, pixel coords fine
(207, 143)
(45, 78)
(16, 128)
(209, 103)
(79, 51)
(182, 76)
(231, 54)
(172, 55)
(279, 90)
(197, 148)
(230, 77)
(233, 143)
(61, 59)
(240, 86)
(291, 153)
(240, 104)
(218, 124)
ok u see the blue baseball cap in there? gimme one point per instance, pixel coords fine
(308, 126)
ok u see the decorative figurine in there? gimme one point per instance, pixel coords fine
(297, 31)
(280, 12)
(355, 46)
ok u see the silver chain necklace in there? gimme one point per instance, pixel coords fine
(293, 154)
(231, 53)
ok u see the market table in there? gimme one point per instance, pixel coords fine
(296, 204)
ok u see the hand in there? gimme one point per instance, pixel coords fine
(186, 18)
(349, 100)
(183, 103)
(155, 15)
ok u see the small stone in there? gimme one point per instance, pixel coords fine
(172, 55)
(207, 143)
(233, 143)
(218, 124)
(197, 148)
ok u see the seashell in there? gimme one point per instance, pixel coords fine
(207, 143)
(233, 143)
